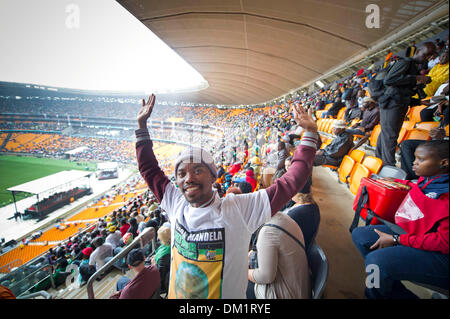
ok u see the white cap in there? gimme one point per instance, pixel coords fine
(196, 155)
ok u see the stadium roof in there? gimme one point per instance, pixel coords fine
(254, 51)
(50, 182)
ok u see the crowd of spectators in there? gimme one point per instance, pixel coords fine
(96, 107)
(236, 155)
(262, 143)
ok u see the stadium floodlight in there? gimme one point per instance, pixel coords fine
(320, 84)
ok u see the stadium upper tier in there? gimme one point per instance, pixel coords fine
(34, 103)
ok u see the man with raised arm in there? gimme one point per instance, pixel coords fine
(211, 235)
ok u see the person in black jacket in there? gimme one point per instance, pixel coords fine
(156, 219)
(370, 118)
(411, 50)
(333, 153)
(401, 83)
(352, 111)
(334, 109)
(133, 227)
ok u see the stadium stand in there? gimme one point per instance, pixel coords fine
(262, 127)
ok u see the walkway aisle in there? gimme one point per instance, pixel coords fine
(346, 266)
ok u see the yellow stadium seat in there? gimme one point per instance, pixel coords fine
(24, 254)
(330, 127)
(345, 169)
(417, 134)
(328, 106)
(374, 135)
(426, 125)
(446, 130)
(319, 113)
(414, 113)
(340, 114)
(322, 124)
(373, 164)
(326, 142)
(357, 155)
(355, 121)
(408, 125)
(358, 173)
(318, 123)
(402, 134)
(327, 125)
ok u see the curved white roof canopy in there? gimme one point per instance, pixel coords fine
(252, 51)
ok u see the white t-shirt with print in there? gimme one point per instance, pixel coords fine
(98, 256)
(210, 244)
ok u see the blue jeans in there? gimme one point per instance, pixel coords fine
(398, 263)
(121, 263)
(122, 282)
(251, 290)
(86, 271)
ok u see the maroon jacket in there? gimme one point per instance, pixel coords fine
(283, 189)
(142, 286)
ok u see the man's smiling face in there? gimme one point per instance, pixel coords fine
(195, 182)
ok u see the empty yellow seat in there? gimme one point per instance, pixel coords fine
(357, 155)
(417, 134)
(345, 169)
(373, 163)
(340, 114)
(427, 125)
(374, 135)
(414, 113)
(358, 173)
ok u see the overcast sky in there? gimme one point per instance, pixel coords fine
(85, 44)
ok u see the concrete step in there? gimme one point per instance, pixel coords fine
(106, 289)
(102, 289)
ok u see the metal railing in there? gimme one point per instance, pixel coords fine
(13, 264)
(146, 237)
(41, 293)
(22, 280)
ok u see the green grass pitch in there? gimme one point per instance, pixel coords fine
(16, 170)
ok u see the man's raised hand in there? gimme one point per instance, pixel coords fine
(304, 119)
(146, 111)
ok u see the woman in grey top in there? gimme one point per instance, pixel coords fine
(282, 271)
